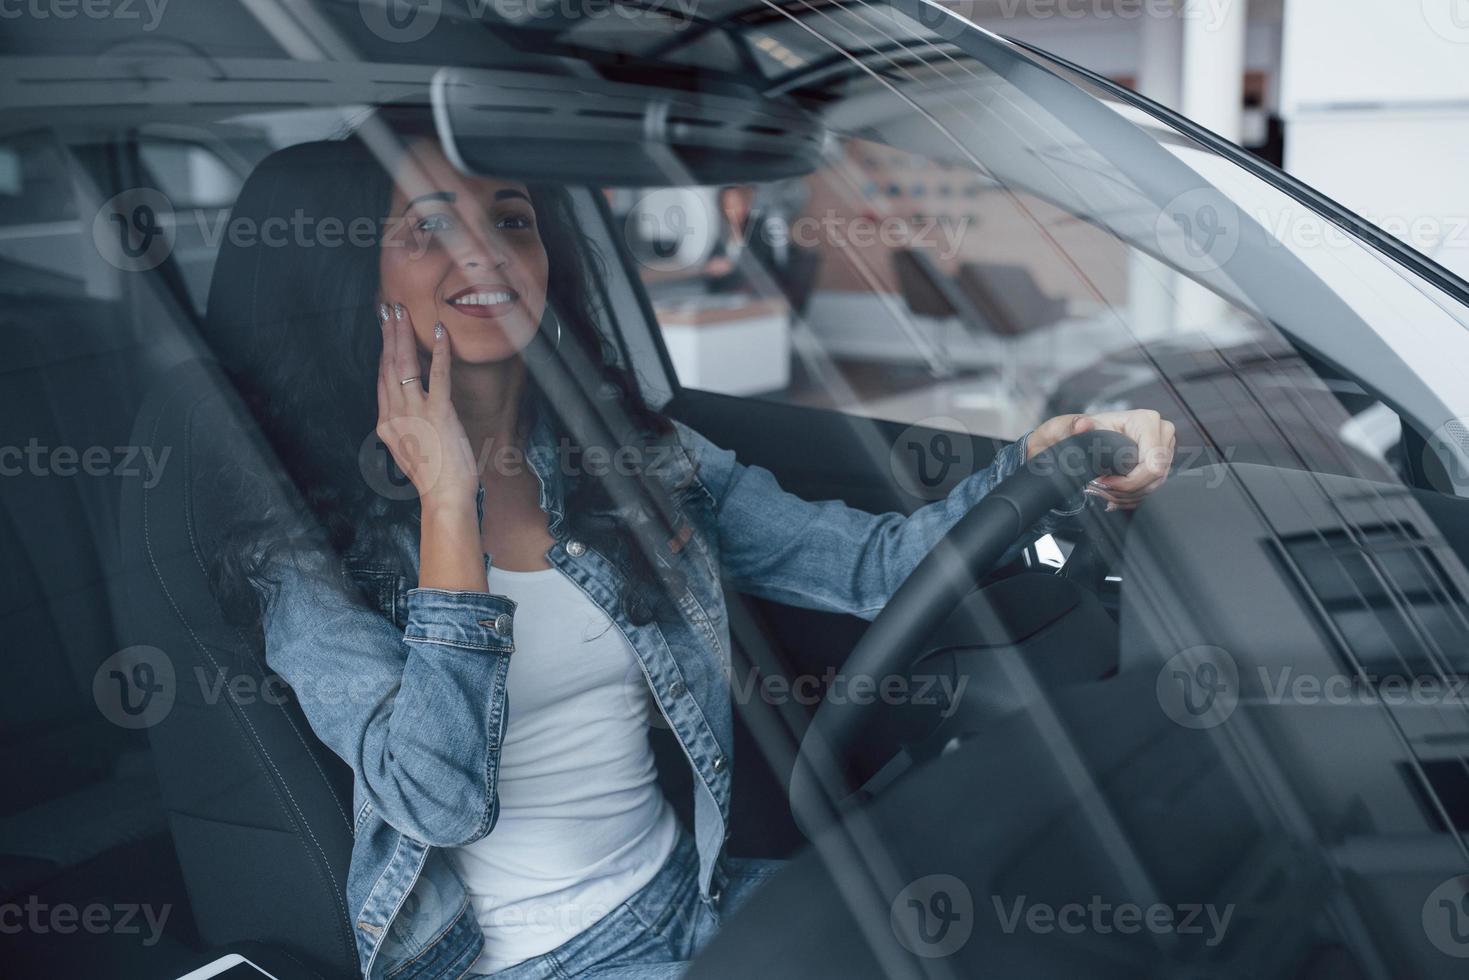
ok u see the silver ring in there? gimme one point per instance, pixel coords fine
(409, 381)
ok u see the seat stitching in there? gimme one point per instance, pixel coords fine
(234, 709)
(198, 559)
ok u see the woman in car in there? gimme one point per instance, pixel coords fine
(480, 642)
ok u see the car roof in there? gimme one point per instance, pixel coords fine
(764, 45)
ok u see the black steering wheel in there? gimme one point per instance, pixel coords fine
(949, 572)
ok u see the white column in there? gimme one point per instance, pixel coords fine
(1150, 287)
(1213, 97)
(1160, 57)
(1214, 64)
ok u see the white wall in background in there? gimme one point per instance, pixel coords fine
(1407, 171)
(1375, 52)
(1376, 101)
(1114, 47)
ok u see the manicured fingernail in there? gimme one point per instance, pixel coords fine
(438, 330)
(1111, 507)
(398, 310)
(382, 312)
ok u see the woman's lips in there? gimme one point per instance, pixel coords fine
(484, 302)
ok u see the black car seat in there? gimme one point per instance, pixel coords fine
(76, 785)
(78, 788)
(260, 810)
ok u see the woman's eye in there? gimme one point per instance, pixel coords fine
(515, 222)
(434, 222)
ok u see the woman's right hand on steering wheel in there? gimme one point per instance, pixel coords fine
(420, 427)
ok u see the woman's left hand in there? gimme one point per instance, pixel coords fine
(1155, 444)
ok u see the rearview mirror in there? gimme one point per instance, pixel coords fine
(606, 133)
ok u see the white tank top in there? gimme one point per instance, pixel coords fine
(583, 823)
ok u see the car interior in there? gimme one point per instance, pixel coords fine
(979, 237)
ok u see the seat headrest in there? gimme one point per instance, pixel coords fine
(302, 212)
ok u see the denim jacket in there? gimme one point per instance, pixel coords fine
(411, 691)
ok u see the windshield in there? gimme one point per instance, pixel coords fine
(973, 238)
(994, 239)
(1077, 240)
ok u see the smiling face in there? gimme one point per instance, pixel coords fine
(464, 251)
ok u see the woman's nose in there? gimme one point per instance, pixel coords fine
(483, 251)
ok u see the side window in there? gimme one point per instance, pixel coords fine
(200, 185)
(193, 175)
(41, 243)
(726, 281)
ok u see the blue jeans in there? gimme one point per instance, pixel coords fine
(654, 934)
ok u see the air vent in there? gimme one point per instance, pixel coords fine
(1408, 622)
